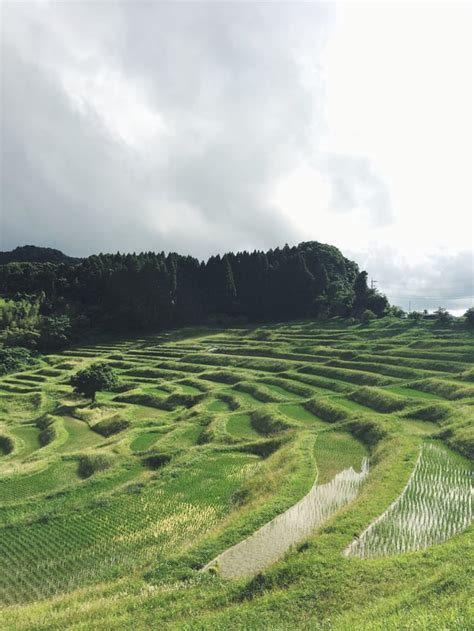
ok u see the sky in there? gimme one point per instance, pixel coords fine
(203, 128)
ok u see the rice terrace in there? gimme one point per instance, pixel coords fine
(236, 316)
(348, 447)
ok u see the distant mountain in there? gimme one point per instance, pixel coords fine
(35, 254)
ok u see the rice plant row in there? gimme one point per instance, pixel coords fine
(436, 504)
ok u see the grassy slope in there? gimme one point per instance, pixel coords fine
(244, 458)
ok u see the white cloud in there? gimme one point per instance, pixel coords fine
(209, 127)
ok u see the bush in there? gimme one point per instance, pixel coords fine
(6, 444)
(443, 317)
(112, 425)
(90, 464)
(95, 377)
(15, 358)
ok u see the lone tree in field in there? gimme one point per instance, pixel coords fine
(94, 378)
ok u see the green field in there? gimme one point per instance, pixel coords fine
(223, 431)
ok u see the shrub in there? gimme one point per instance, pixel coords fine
(95, 377)
(14, 358)
(90, 464)
(112, 425)
(443, 317)
(6, 444)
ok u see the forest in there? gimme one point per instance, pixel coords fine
(48, 300)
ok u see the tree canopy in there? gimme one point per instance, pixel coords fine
(49, 304)
(95, 378)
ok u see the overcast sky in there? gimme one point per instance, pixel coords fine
(203, 128)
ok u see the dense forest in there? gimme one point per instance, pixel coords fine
(49, 299)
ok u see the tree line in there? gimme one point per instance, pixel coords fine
(47, 304)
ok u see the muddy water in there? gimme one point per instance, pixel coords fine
(270, 542)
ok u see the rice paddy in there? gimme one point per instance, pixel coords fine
(435, 505)
(254, 455)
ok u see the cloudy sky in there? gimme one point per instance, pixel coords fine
(207, 127)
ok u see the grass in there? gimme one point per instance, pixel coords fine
(240, 426)
(299, 413)
(110, 531)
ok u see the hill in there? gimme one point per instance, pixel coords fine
(153, 291)
(35, 254)
(132, 510)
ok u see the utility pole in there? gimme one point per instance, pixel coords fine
(409, 306)
(373, 283)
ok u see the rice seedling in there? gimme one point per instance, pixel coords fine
(435, 505)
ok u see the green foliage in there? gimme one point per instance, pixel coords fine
(15, 358)
(55, 332)
(469, 317)
(6, 444)
(151, 291)
(94, 378)
(443, 317)
(367, 316)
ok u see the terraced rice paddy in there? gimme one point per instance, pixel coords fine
(435, 505)
(237, 445)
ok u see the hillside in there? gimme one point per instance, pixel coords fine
(109, 510)
(35, 254)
